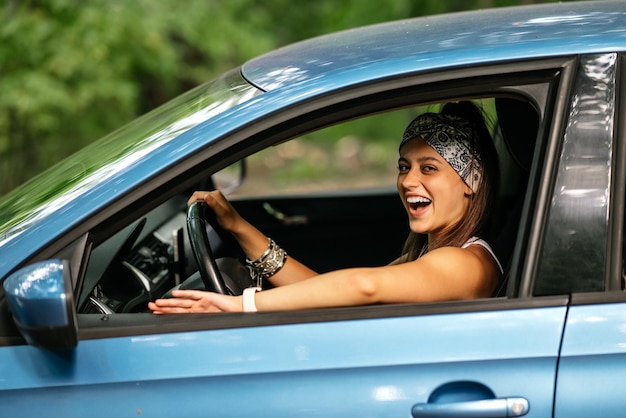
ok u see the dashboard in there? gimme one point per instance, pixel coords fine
(140, 263)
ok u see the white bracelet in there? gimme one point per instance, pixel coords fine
(248, 299)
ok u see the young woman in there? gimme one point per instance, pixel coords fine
(447, 179)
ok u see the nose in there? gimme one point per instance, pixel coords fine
(410, 180)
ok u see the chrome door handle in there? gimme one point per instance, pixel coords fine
(486, 408)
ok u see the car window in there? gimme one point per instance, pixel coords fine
(358, 155)
(353, 155)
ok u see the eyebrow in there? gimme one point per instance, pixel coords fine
(421, 159)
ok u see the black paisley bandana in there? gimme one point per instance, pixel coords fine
(453, 138)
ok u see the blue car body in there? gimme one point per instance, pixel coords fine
(547, 348)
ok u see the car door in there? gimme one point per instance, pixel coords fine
(478, 357)
(493, 357)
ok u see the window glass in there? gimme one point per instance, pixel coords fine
(354, 155)
(357, 154)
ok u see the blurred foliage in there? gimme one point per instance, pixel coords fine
(72, 71)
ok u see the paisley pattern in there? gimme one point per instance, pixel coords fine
(453, 138)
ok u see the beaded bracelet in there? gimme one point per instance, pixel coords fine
(268, 264)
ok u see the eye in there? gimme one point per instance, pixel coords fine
(428, 168)
(403, 168)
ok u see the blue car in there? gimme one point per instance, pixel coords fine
(86, 245)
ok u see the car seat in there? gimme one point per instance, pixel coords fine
(515, 139)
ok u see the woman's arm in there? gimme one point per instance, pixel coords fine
(443, 274)
(252, 241)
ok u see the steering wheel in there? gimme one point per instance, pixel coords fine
(199, 216)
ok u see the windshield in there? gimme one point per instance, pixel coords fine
(72, 177)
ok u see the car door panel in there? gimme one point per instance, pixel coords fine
(592, 369)
(359, 367)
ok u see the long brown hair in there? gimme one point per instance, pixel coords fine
(477, 221)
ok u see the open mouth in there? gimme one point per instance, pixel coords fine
(417, 202)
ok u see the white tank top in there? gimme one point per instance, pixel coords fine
(483, 243)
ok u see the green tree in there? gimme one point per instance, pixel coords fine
(69, 73)
(72, 71)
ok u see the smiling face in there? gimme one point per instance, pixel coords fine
(434, 195)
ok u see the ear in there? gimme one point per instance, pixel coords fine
(468, 191)
(472, 182)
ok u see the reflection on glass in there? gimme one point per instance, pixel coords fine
(116, 152)
(574, 253)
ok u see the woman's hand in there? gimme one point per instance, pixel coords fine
(227, 215)
(196, 301)
(252, 241)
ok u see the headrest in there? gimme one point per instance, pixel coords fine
(519, 124)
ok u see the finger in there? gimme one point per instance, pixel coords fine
(173, 303)
(216, 201)
(156, 309)
(168, 310)
(189, 295)
(196, 196)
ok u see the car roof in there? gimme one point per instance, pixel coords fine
(449, 40)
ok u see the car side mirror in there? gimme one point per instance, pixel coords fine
(42, 303)
(231, 178)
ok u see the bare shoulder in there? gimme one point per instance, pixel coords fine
(473, 268)
(472, 253)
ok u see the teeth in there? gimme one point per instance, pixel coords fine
(417, 199)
